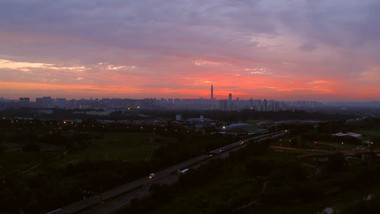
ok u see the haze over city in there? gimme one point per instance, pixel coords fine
(285, 50)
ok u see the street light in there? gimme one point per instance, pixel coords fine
(85, 193)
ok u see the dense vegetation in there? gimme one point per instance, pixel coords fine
(231, 116)
(257, 180)
(82, 159)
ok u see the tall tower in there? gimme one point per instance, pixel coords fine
(212, 92)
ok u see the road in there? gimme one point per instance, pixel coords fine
(137, 184)
(108, 202)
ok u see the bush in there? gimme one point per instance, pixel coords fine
(31, 147)
(259, 167)
(336, 163)
(363, 206)
(279, 194)
(2, 148)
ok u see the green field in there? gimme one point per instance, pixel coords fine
(117, 146)
(19, 161)
(369, 133)
(109, 146)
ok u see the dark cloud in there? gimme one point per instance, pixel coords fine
(165, 38)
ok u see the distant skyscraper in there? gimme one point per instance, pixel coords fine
(24, 100)
(212, 92)
(230, 103)
(44, 102)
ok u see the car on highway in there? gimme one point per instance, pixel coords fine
(152, 175)
(182, 171)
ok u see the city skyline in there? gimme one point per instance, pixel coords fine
(298, 50)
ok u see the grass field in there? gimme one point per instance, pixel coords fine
(110, 146)
(368, 133)
(17, 161)
(117, 146)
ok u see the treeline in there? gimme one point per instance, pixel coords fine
(361, 206)
(248, 114)
(231, 116)
(32, 142)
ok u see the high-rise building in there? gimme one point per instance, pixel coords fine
(24, 100)
(212, 92)
(230, 103)
(44, 102)
(61, 102)
(223, 105)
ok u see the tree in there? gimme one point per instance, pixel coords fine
(336, 162)
(259, 167)
(31, 147)
(2, 147)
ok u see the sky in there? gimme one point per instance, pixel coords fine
(321, 50)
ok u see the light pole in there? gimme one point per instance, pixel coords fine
(101, 195)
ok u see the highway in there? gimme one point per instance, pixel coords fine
(139, 183)
(109, 203)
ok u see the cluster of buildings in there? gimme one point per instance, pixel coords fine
(147, 103)
(153, 103)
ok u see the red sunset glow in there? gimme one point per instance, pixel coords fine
(135, 50)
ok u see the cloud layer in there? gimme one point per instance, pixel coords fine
(319, 50)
